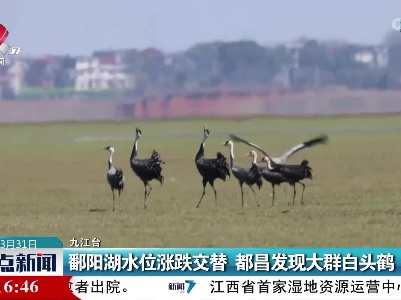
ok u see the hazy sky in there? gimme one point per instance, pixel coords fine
(81, 26)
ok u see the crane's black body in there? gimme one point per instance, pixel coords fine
(115, 177)
(147, 169)
(116, 180)
(210, 168)
(253, 177)
(293, 174)
(250, 177)
(273, 178)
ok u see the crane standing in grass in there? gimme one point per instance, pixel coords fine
(273, 178)
(146, 169)
(249, 176)
(115, 177)
(210, 168)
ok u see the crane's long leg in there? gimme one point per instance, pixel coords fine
(293, 198)
(149, 189)
(204, 182)
(146, 194)
(285, 191)
(214, 190)
(242, 193)
(273, 193)
(253, 191)
(114, 197)
(303, 190)
(254, 195)
(118, 199)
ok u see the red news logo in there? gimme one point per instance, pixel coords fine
(4, 48)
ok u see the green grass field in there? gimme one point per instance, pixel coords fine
(54, 183)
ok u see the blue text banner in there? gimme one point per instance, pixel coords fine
(233, 262)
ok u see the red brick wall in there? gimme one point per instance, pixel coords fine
(324, 102)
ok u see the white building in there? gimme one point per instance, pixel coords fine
(365, 57)
(101, 73)
(376, 57)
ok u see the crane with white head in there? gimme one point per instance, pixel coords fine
(249, 176)
(146, 169)
(115, 177)
(210, 168)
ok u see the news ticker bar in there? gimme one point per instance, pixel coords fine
(237, 287)
(40, 268)
(201, 288)
(200, 262)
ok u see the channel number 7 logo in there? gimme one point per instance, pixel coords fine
(4, 48)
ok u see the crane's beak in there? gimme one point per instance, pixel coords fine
(248, 154)
(105, 148)
(222, 144)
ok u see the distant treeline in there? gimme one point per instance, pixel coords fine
(238, 65)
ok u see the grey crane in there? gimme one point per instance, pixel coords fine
(322, 139)
(210, 168)
(146, 169)
(249, 176)
(276, 178)
(115, 177)
(273, 178)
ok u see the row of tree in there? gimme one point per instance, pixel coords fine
(246, 64)
(309, 63)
